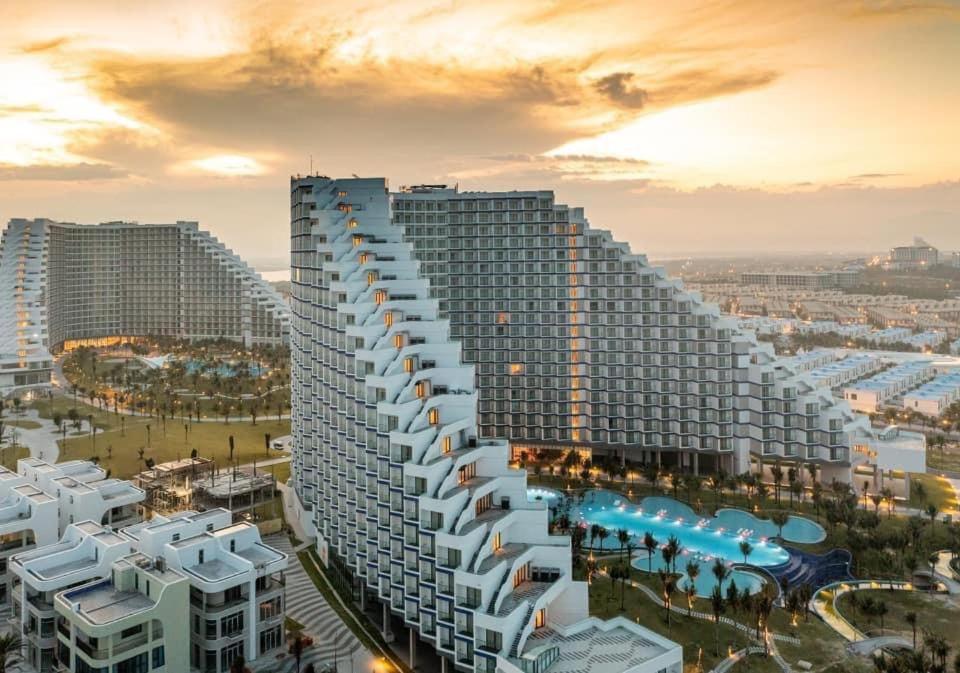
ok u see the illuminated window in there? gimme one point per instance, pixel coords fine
(397, 340)
(388, 318)
(363, 258)
(380, 296)
(496, 542)
(433, 416)
(516, 368)
(357, 240)
(371, 279)
(447, 444)
(352, 224)
(421, 388)
(408, 364)
(503, 318)
(541, 619)
(341, 193)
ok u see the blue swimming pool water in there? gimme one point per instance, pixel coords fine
(547, 495)
(697, 535)
(702, 538)
(225, 370)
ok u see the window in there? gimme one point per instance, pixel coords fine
(270, 639)
(135, 664)
(231, 625)
(158, 657)
(229, 654)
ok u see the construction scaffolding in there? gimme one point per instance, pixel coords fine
(170, 486)
(239, 490)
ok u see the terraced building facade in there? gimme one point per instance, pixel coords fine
(74, 283)
(423, 513)
(579, 343)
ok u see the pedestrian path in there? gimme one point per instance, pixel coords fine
(332, 640)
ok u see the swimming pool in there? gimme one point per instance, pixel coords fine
(703, 539)
(547, 495)
(224, 370)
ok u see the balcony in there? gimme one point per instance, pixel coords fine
(131, 643)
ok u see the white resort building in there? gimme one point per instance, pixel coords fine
(426, 516)
(580, 343)
(63, 285)
(186, 591)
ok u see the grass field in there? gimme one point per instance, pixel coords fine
(697, 636)
(947, 459)
(24, 424)
(9, 456)
(936, 490)
(935, 612)
(118, 447)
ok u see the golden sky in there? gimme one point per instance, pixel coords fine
(723, 125)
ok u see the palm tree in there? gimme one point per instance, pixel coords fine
(667, 553)
(777, 473)
(780, 520)
(10, 647)
(911, 619)
(717, 604)
(690, 590)
(623, 537)
(746, 549)
(650, 544)
(669, 585)
(603, 534)
(594, 530)
(673, 544)
(931, 511)
(693, 572)
(720, 571)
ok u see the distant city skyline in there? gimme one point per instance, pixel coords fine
(738, 126)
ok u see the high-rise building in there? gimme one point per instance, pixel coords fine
(580, 343)
(68, 284)
(919, 254)
(409, 500)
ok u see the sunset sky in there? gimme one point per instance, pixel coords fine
(706, 127)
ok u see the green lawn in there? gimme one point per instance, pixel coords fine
(936, 490)
(935, 612)
(210, 440)
(24, 424)
(947, 459)
(9, 456)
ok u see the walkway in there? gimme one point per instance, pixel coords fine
(42, 441)
(944, 573)
(823, 604)
(706, 616)
(870, 645)
(332, 640)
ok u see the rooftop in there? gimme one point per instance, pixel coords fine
(101, 603)
(595, 650)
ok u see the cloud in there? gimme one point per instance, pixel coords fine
(875, 176)
(60, 173)
(701, 84)
(45, 45)
(619, 88)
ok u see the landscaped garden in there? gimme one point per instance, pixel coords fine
(179, 379)
(649, 540)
